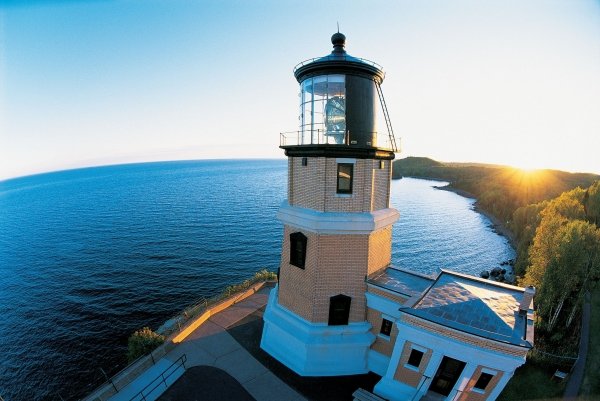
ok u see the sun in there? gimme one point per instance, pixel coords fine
(528, 171)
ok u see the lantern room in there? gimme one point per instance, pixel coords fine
(341, 106)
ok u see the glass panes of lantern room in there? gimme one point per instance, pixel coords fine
(323, 110)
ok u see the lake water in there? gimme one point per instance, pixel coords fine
(88, 256)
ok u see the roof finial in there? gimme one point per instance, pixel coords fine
(338, 24)
(338, 40)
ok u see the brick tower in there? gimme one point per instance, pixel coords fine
(337, 219)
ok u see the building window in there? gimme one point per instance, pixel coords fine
(381, 164)
(483, 381)
(305, 161)
(415, 358)
(298, 249)
(386, 327)
(344, 178)
(339, 310)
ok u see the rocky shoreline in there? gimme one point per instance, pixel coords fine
(498, 227)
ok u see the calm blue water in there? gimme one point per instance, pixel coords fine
(88, 256)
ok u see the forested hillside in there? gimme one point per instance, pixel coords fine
(554, 217)
(499, 190)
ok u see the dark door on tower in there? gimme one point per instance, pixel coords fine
(446, 375)
(339, 310)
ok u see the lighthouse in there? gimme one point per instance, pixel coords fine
(340, 307)
(337, 219)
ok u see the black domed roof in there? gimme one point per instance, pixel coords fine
(339, 62)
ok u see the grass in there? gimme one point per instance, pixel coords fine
(590, 388)
(532, 382)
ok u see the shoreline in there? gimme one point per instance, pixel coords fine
(498, 227)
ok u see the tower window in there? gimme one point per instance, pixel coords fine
(415, 358)
(298, 249)
(339, 310)
(483, 381)
(344, 178)
(305, 161)
(386, 327)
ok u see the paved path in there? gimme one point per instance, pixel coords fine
(211, 345)
(200, 383)
(574, 383)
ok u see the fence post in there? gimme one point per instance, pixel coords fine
(108, 379)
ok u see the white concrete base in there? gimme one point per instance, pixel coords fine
(314, 349)
(378, 363)
(337, 222)
(394, 390)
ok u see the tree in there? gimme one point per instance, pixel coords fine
(565, 263)
(592, 203)
(563, 256)
(524, 222)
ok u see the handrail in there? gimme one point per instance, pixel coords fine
(322, 137)
(386, 117)
(182, 360)
(344, 58)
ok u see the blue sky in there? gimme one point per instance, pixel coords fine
(101, 82)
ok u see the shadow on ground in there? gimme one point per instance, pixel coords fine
(248, 332)
(200, 383)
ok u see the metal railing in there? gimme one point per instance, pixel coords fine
(160, 380)
(340, 58)
(388, 122)
(324, 137)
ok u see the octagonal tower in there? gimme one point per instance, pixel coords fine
(337, 219)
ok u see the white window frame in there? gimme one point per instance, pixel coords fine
(416, 348)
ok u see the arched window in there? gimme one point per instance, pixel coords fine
(339, 310)
(298, 249)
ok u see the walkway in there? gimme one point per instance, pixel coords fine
(206, 383)
(226, 348)
(211, 345)
(576, 378)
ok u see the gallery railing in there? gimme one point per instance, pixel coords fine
(324, 137)
(338, 58)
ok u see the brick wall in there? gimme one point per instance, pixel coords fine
(314, 186)
(380, 250)
(342, 269)
(335, 264)
(381, 185)
(392, 297)
(382, 345)
(469, 395)
(295, 284)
